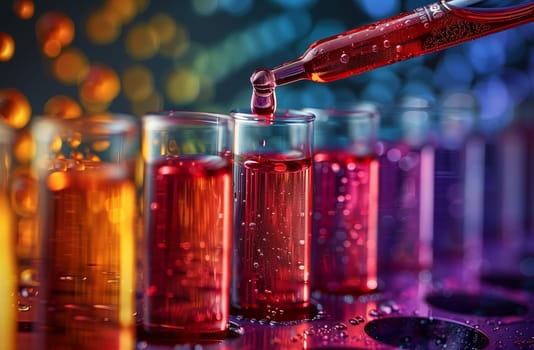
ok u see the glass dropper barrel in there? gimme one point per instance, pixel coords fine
(424, 30)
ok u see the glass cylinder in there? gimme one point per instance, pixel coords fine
(406, 154)
(345, 201)
(188, 222)
(458, 199)
(8, 270)
(272, 215)
(86, 221)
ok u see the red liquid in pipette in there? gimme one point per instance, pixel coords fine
(424, 30)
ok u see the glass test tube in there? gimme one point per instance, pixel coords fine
(458, 200)
(272, 219)
(345, 201)
(8, 271)
(86, 218)
(188, 222)
(406, 189)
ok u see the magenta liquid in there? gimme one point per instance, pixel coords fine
(189, 226)
(344, 222)
(272, 237)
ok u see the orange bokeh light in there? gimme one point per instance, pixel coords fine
(101, 85)
(71, 66)
(24, 8)
(15, 108)
(102, 27)
(54, 31)
(7, 47)
(63, 107)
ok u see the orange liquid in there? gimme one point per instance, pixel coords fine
(89, 259)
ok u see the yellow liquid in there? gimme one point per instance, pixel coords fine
(89, 258)
(8, 315)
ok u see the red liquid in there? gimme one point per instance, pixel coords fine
(344, 222)
(188, 228)
(424, 30)
(272, 237)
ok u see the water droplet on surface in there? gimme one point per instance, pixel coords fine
(344, 58)
(374, 48)
(398, 48)
(387, 44)
(340, 326)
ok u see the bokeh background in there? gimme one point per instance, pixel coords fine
(132, 56)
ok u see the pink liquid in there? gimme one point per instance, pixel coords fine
(188, 228)
(344, 222)
(272, 237)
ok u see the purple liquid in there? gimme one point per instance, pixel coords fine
(272, 237)
(406, 191)
(189, 226)
(344, 223)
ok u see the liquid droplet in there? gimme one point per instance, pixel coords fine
(387, 44)
(263, 101)
(374, 48)
(398, 48)
(344, 58)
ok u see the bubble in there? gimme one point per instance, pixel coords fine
(54, 31)
(24, 193)
(344, 58)
(24, 9)
(57, 181)
(142, 41)
(24, 147)
(7, 47)
(71, 66)
(387, 44)
(15, 108)
(374, 48)
(63, 107)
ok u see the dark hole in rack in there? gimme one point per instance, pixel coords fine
(485, 305)
(425, 333)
